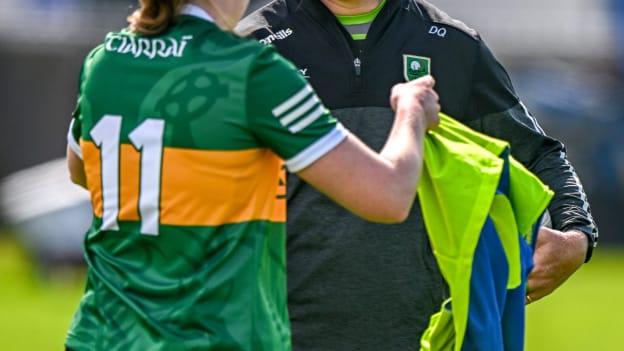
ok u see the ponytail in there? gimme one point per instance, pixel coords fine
(154, 16)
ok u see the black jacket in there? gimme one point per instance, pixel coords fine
(355, 285)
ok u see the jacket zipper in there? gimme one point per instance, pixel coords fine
(357, 64)
(355, 54)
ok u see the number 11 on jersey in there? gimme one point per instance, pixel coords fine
(147, 138)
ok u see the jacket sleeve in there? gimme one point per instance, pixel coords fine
(500, 113)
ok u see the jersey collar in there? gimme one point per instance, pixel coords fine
(319, 12)
(196, 11)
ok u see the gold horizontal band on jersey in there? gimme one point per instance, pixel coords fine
(198, 187)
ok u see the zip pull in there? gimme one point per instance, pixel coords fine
(358, 66)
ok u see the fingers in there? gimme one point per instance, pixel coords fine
(557, 256)
(419, 97)
(540, 282)
(401, 90)
(426, 81)
(532, 294)
(538, 290)
(430, 100)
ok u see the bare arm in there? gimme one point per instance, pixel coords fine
(76, 169)
(381, 187)
(557, 256)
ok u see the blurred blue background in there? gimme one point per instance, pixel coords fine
(565, 57)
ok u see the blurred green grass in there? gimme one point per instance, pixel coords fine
(34, 313)
(585, 314)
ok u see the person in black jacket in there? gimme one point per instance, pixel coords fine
(348, 289)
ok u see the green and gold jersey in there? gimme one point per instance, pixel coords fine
(182, 137)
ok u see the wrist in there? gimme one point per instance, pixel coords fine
(413, 115)
(587, 242)
(592, 242)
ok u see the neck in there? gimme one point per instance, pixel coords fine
(350, 7)
(220, 20)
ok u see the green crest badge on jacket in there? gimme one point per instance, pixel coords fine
(415, 67)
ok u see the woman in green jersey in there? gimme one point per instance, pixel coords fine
(181, 134)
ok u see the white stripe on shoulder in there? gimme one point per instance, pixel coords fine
(300, 111)
(73, 143)
(292, 101)
(317, 150)
(309, 119)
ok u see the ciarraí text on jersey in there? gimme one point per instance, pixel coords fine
(147, 47)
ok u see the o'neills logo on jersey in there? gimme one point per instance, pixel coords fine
(150, 48)
(281, 35)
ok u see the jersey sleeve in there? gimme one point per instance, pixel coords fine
(73, 135)
(286, 115)
(502, 114)
(75, 126)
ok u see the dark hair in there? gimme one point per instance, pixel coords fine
(154, 16)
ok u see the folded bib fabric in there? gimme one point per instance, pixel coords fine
(480, 207)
